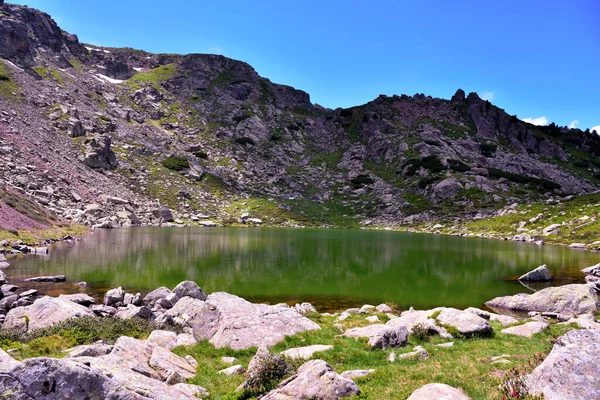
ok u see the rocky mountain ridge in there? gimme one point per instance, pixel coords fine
(113, 137)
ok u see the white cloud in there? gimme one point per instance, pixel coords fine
(596, 128)
(537, 121)
(215, 50)
(574, 124)
(489, 96)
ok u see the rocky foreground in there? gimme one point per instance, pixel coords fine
(132, 368)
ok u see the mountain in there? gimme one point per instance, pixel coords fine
(117, 136)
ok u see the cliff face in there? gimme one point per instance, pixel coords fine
(103, 135)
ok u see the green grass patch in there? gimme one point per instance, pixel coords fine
(176, 163)
(153, 77)
(8, 87)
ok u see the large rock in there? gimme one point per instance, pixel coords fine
(594, 270)
(466, 323)
(540, 274)
(315, 380)
(568, 300)
(79, 298)
(44, 312)
(171, 368)
(447, 188)
(438, 391)
(114, 297)
(421, 318)
(230, 321)
(90, 350)
(306, 352)
(98, 154)
(166, 339)
(528, 329)
(184, 289)
(571, 369)
(156, 295)
(381, 336)
(504, 320)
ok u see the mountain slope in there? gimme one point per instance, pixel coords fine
(111, 136)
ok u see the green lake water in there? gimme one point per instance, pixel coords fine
(332, 269)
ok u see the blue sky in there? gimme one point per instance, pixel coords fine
(538, 59)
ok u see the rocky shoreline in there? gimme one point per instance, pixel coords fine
(131, 368)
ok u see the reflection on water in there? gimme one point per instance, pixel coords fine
(330, 268)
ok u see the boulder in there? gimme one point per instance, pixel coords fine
(570, 371)
(305, 353)
(447, 188)
(305, 308)
(233, 370)
(412, 318)
(540, 274)
(114, 297)
(7, 362)
(163, 213)
(264, 366)
(357, 373)
(98, 154)
(438, 391)
(166, 339)
(90, 350)
(132, 311)
(184, 289)
(44, 312)
(593, 270)
(230, 321)
(383, 308)
(504, 320)
(380, 335)
(53, 278)
(156, 295)
(79, 298)
(314, 380)
(170, 367)
(568, 300)
(466, 323)
(528, 329)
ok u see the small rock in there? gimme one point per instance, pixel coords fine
(541, 274)
(233, 370)
(526, 330)
(307, 352)
(438, 391)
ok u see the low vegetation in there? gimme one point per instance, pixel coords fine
(176, 163)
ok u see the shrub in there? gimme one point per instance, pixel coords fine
(421, 332)
(457, 165)
(266, 374)
(432, 163)
(276, 134)
(581, 163)
(488, 149)
(201, 154)
(176, 163)
(427, 180)
(513, 385)
(346, 113)
(360, 180)
(244, 140)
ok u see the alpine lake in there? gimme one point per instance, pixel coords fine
(332, 269)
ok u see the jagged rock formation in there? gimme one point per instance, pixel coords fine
(201, 134)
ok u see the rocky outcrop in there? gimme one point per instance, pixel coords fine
(98, 154)
(438, 391)
(314, 380)
(230, 321)
(570, 370)
(44, 312)
(567, 300)
(540, 274)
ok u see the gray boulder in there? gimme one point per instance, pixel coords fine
(184, 289)
(540, 274)
(314, 380)
(90, 350)
(466, 323)
(438, 391)
(306, 352)
(230, 321)
(447, 188)
(79, 298)
(44, 312)
(263, 367)
(571, 369)
(381, 336)
(114, 297)
(567, 300)
(413, 318)
(156, 295)
(53, 278)
(98, 154)
(527, 329)
(594, 270)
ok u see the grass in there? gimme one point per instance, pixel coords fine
(8, 87)
(153, 77)
(466, 365)
(52, 341)
(49, 74)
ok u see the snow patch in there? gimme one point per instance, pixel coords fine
(13, 65)
(138, 69)
(109, 79)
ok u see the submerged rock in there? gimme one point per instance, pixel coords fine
(53, 278)
(571, 369)
(540, 274)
